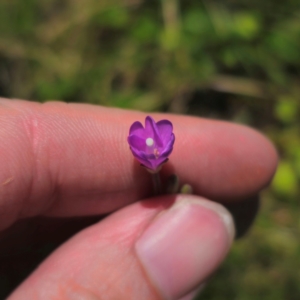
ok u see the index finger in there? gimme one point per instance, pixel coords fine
(73, 159)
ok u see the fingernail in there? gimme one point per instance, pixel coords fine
(185, 244)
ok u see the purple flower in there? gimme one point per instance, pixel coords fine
(151, 145)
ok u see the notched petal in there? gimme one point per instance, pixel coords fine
(137, 142)
(135, 126)
(165, 129)
(152, 130)
(169, 147)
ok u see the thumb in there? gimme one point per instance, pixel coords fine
(161, 248)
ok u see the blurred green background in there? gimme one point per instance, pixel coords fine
(233, 59)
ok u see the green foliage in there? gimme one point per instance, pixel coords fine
(285, 181)
(235, 60)
(286, 109)
(89, 51)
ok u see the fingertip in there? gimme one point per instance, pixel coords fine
(162, 248)
(184, 244)
(222, 161)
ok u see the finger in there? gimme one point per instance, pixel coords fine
(28, 242)
(155, 249)
(69, 160)
(46, 234)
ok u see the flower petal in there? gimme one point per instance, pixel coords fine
(148, 160)
(165, 129)
(152, 130)
(140, 156)
(137, 142)
(169, 147)
(138, 129)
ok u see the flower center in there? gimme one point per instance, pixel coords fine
(149, 142)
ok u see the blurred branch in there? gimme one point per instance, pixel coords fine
(170, 13)
(220, 83)
(240, 86)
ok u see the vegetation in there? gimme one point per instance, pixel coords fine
(235, 60)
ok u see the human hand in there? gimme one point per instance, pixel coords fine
(72, 160)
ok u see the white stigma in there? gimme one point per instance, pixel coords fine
(149, 142)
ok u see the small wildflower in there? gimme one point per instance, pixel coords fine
(151, 145)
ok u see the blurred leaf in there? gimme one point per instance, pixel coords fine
(229, 57)
(286, 109)
(246, 25)
(285, 180)
(196, 22)
(116, 17)
(282, 45)
(147, 102)
(283, 242)
(60, 88)
(170, 38)
(145, 31)
(137, 100)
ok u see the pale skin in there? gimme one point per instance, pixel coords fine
(73, 160)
